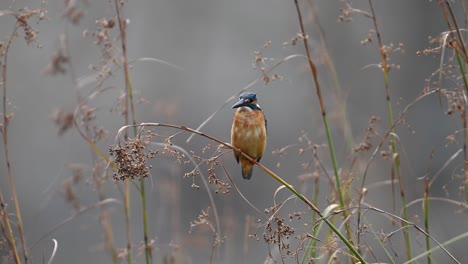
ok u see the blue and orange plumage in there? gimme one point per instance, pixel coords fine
(248, 132)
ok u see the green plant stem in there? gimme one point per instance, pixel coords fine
(311, 247)
(127, 220)
(459, 45)
(10, 237)
(406, 231)
(313, 70)
(426, 219)
(465, 152)
(463, 115)
(6, 120)
(339, 101)
(145, 221)
(395, 156)
(316, 230)
(378, 239)
(462, 69)
(461, 42)
(129, 101)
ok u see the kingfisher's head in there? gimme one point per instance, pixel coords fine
(247, 99)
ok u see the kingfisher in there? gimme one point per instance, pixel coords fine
(248, 132)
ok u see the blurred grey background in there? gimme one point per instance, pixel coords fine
(214, 44)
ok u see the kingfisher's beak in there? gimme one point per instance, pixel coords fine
(239, 104)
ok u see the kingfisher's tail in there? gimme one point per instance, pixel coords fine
(247, 169)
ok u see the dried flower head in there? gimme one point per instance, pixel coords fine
(132, 159)
(64, 120)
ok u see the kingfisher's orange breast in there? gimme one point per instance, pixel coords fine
(249, 134)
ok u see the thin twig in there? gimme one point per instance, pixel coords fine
(6, 120)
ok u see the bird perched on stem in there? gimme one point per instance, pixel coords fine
(248, 132)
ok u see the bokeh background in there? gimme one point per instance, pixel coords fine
(213, 44)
